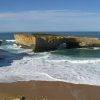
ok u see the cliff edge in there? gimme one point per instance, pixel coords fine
(45, 42)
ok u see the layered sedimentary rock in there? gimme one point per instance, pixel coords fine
(44, 42)
(85, 41)
(39, 42)
(25, 40)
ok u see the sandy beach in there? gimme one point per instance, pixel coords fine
(48, 90)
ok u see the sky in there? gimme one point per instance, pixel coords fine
(49, 15)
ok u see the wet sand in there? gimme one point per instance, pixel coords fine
(47, 90)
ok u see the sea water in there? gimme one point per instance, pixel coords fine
(80, 66)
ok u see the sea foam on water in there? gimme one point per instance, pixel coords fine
(49, 67)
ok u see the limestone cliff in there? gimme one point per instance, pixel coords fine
(25, 39)
(85, 41)
(45, 42)
(39, 42)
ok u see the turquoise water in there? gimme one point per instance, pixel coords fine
(80, 53)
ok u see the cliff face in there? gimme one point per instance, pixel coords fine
(39, 42)
(45, 43)
(85, 41)
(51, 42)
(25, 39)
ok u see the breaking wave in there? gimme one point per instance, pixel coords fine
(26, 65)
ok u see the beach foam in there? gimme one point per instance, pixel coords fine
(50, 67)
(38, 68)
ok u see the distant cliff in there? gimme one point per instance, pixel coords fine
(85, 41)
(45, 42)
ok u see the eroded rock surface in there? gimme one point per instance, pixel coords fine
(45, 42)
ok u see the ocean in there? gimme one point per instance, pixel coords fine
(10, 35)
(80, 66)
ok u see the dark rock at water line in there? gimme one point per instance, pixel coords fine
(0, 42)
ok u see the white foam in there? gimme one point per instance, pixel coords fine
(87, 61)
(35, 68)
(26, 77)
(45, 66)
(84, 61)
(10, 40)
(96, 48)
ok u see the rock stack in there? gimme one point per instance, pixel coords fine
(45, 42)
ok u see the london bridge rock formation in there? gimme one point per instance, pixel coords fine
(47, 42)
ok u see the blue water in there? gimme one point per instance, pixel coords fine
(10, 35)
(6, 36)
(88, 34)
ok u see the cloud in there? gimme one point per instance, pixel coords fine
(38, 20)
(7, 15)
(45, 13)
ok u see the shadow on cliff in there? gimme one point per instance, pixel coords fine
(6, 58)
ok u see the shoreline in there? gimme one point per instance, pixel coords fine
(48, 90)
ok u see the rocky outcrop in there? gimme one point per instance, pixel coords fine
(39, 42)
(0, 42)
(45, 42)
(85, 41)
(25, 39)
